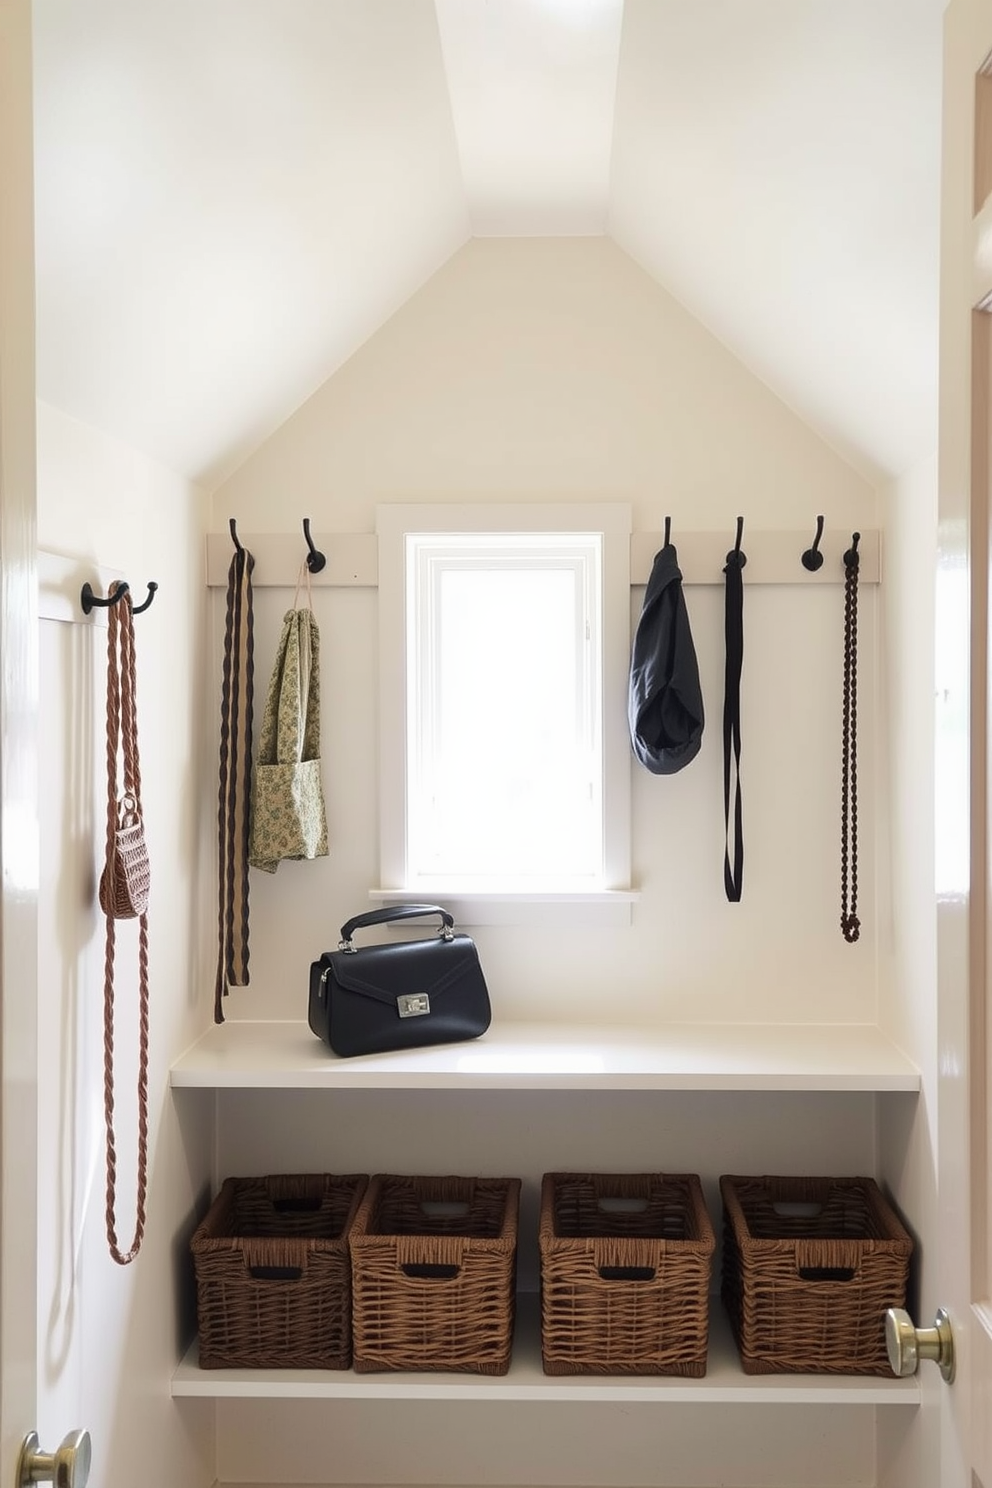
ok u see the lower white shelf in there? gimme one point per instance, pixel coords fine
(724, 1383)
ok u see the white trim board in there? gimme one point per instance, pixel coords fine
(60, 584)
(773, 557)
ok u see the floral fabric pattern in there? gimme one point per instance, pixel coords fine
(288, 815)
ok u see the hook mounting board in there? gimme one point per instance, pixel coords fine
(774, 557)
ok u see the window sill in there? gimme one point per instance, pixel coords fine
(596, 909)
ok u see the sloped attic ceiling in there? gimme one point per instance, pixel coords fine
(232, 195)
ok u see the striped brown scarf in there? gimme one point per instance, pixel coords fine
(235, 781)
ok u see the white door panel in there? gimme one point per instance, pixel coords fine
(964, 692)
(18, 722)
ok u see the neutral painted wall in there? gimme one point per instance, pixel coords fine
(110, 1337)
(558, 370)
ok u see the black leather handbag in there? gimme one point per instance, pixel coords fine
(405, 995)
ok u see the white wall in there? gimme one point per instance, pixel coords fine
(110, 1336)
(558, 370)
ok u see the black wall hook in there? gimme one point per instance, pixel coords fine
(735, 555)
(852, 557)
(813, 558)
(668, 532)
(91, 601)
(140, 609)
(315, 560)
(234, 535)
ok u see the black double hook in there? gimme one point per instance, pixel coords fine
(91, 601)
(315, 560)
(812, 559)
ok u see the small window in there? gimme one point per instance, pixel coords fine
(504, 760)
(504, 778)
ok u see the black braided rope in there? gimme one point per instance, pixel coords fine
(849, 923)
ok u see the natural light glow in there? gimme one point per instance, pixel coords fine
(504, 678)
(553, 1062)
(952, 820)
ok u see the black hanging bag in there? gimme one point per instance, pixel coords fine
(665, 700)
(405, 995)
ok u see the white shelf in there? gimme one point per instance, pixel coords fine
(525, 1056)
(724, 1382)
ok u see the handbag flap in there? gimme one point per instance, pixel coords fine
(385, 972)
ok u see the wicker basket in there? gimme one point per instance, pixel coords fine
(625, 1271)
(434, 1273)
(810, 1266)
(273, 1273)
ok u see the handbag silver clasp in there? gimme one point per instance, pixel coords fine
(413, 1004)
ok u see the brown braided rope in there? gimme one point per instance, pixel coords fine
(122, 729)
(233, 823)
(849, 923)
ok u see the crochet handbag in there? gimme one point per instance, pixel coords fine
(126, 877)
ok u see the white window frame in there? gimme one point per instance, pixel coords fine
(609, 905)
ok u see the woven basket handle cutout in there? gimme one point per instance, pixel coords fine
(623, 1252)
(270, 1251)
(614, 1204)
(445, 1208)
(835, 1256)
(417, 1251)
(627, 1273)
(276, 1275)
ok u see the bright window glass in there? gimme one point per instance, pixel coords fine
(503, 709)
(504, 762)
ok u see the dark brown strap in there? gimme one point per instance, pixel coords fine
(849, 923)
(122, 732)
(233, 817)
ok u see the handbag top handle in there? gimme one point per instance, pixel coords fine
(394, 912)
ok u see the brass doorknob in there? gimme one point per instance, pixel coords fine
(906, 1345)
(69, 1467)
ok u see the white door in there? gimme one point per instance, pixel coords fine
(964, 919)
(18, 715)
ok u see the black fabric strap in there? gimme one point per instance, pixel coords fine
(733, 863)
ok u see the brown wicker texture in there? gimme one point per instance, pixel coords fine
(273, 1273)
(125, 883)
(434, 1273)
(810, 1266)
(625, 1271)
